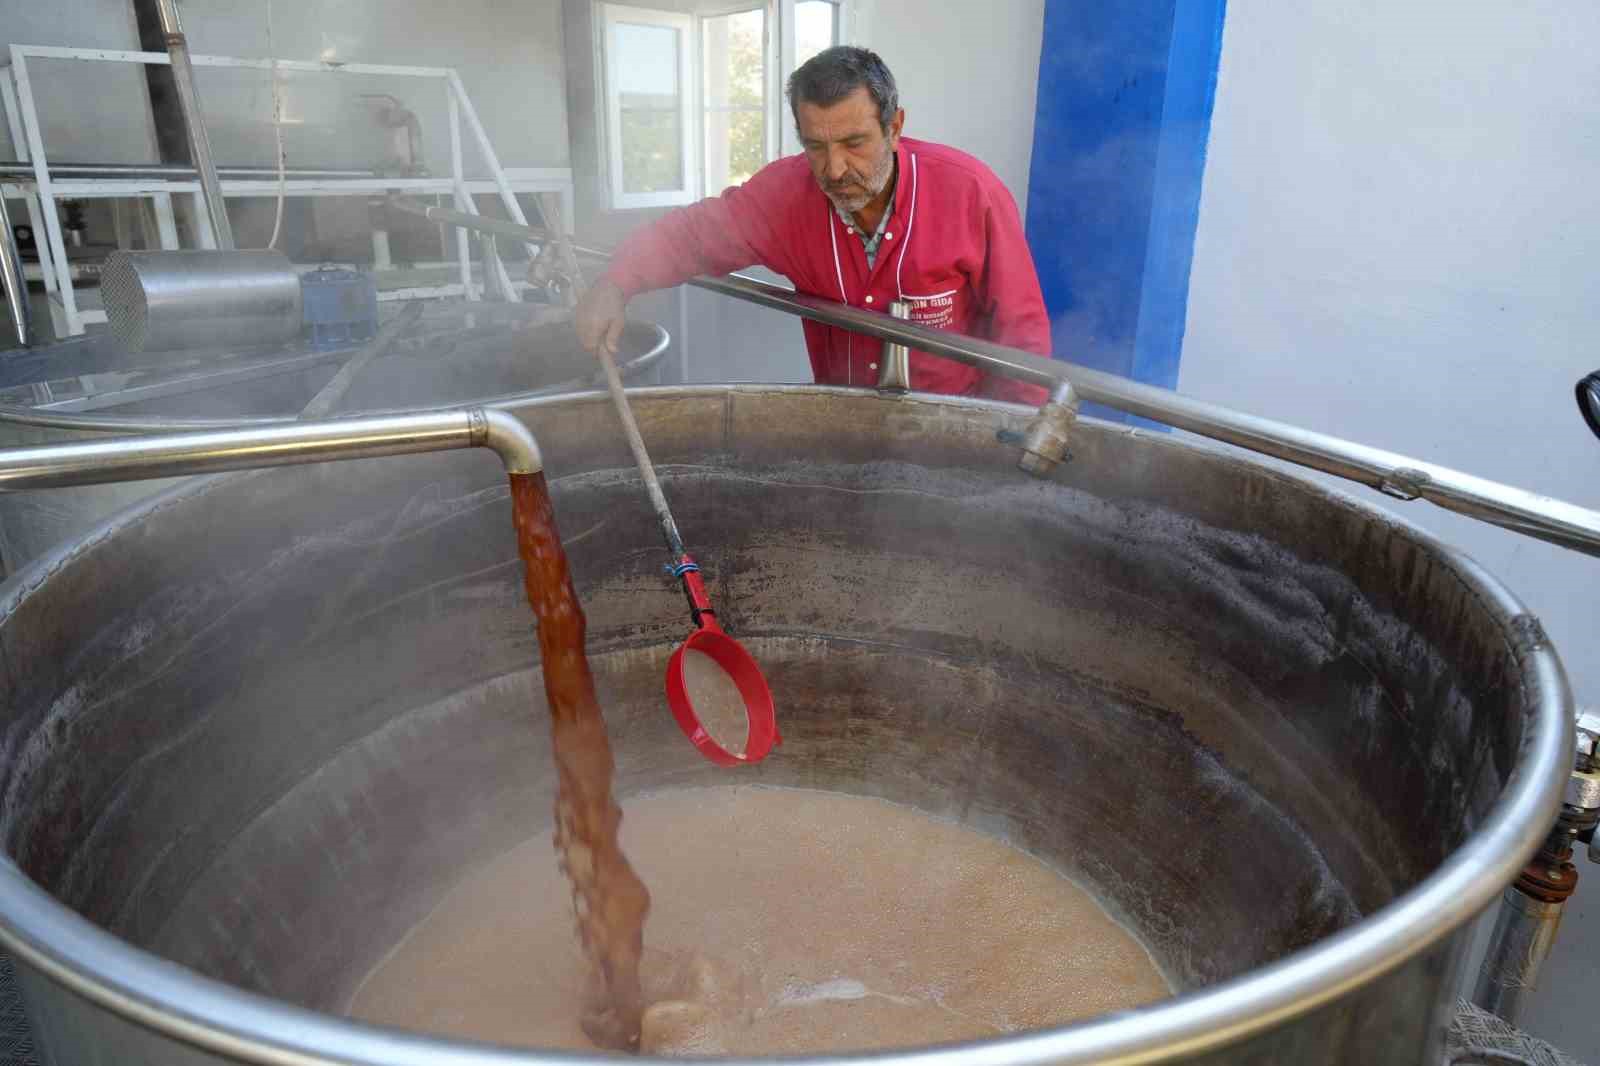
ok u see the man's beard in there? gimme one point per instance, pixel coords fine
(874, 184)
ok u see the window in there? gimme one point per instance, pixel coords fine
(734, 131)
(694, 101)
(816, 28)
(648, 61)
(811, 26)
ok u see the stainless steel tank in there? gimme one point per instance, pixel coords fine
(453, 354)
(255, 728)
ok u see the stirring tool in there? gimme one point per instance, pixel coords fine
(708, 637)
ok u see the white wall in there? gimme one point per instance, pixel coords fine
(509, 55)
(96, 112)
(968, 74)
(1399, 243)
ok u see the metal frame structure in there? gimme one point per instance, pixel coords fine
(22, 117)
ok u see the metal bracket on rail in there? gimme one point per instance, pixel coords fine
(1044, 445)
(894, 365)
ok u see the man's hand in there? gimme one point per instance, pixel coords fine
(599, 317)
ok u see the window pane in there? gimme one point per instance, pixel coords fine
(735, 59)
(646, 69)
(816, 26)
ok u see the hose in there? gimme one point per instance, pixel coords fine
(277, 128)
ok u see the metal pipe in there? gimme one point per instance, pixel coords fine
(194, 119)
(480, 223)
(12, 170)
(16, 284)
(1524, 932)
(894, 365)
(1532, 906)
(183, 454)
(1401, 477)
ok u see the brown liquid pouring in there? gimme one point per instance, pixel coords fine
(610, 899)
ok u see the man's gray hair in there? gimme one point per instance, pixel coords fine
(830, 76)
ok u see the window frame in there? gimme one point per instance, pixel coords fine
(771, 142)
(613, 16)
(779, 53)
(788, 23)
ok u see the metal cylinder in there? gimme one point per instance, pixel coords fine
(894, 371)
(160, 301)
(258, 726)
(1524, 932)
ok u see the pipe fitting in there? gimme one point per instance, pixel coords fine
(894, 367)
(182, 454)
(1044, 445)
(505, 435)
(1588, 739)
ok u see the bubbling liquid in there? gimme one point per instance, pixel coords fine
(784, 922)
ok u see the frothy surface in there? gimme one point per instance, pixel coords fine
(785, 921)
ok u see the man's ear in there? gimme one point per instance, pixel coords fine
(896, 126)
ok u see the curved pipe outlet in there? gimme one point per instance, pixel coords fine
(182, 454)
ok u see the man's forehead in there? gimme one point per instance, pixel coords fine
(854, 114)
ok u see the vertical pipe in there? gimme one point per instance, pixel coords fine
(381, 258)
(47, 201)
(205, 236)
(16, 284)
(682, 336)
(1524, 931)
(47, 265)
(166, 221)
(463, 246)
(194, 119)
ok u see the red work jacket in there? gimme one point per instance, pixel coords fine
(953, 249)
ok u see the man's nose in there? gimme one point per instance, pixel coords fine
(838, 164)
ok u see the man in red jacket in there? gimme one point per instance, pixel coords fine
(866, 217)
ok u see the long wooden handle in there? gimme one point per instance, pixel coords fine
(647, 470)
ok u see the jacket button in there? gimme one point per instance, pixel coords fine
(888, 236)
(872, 366)
(869, 299)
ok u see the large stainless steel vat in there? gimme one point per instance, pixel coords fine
(455, 354)
(255, 728)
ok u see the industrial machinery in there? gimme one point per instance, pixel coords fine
(1344, 737)
(1360, 735)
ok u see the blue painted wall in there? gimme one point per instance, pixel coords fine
(1124, 114)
